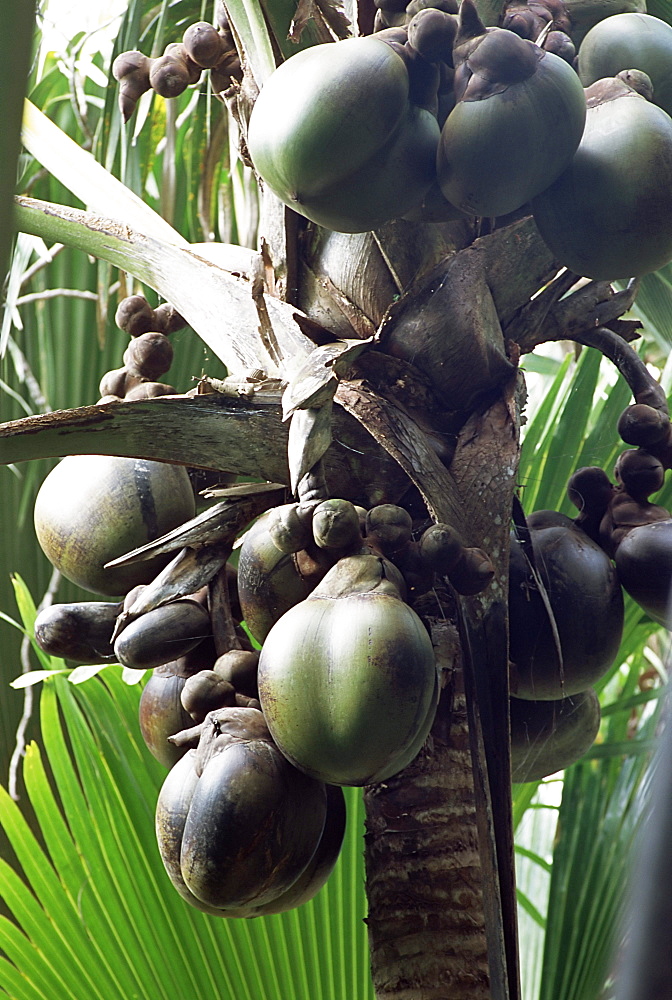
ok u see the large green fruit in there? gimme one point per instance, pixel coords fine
(347, 678)
(585, 14)
(236, 824)
(609, 214)
(514, 128)
(630, 41)
(334, 135)
(93, 508)
(587, 605)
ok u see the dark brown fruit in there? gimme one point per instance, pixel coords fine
(203, 44)
(131, 69)
(169, 631)
(236, 823)
(547, 736)
(149, 356)
(644, 564)
(161, 713)
(206, 692)
(587, 604)
(239, 667)
(79, 632)
(173, 72)
(134, 315)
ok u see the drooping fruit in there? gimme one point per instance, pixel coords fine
(169, 631)
(347, 678)
(320, 866)
(237, 824)
(517, 122)
(81, 632)
(547, 736)
(609, 214)
(93, 508)
(586, 602)
(630, 41)
(335, 136)
(644, 564)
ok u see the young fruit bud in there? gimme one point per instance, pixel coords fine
(239, 668)
(203, 44)
(336, 525)
(389, 527)
(643, 425)
(206, 692)
(149, 356)
(640, 473)
(172, 72)
(131, 69)
(134, 315)
(432, 33)
(118, 382)
(167, 320)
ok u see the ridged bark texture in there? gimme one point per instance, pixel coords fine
(422, 860)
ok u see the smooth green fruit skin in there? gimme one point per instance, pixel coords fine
(609, 215)
(392, 182)
(496, 154)
(334, 136)
(93, 508)
(630, 41)
(269, 582)
(348, 685)
(323, 113)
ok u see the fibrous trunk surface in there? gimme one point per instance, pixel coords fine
(424, 880)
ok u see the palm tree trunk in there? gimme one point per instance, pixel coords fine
(424, 878)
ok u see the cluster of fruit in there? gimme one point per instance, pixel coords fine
(148, 356)
(435, 116)
(343, 692)
(204, 46)
(565, 594)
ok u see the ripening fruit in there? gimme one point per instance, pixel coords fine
(347, 678)
(93, 508)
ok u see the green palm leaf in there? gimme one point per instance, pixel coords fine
(93, 913)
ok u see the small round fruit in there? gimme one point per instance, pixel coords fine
(93, 508)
